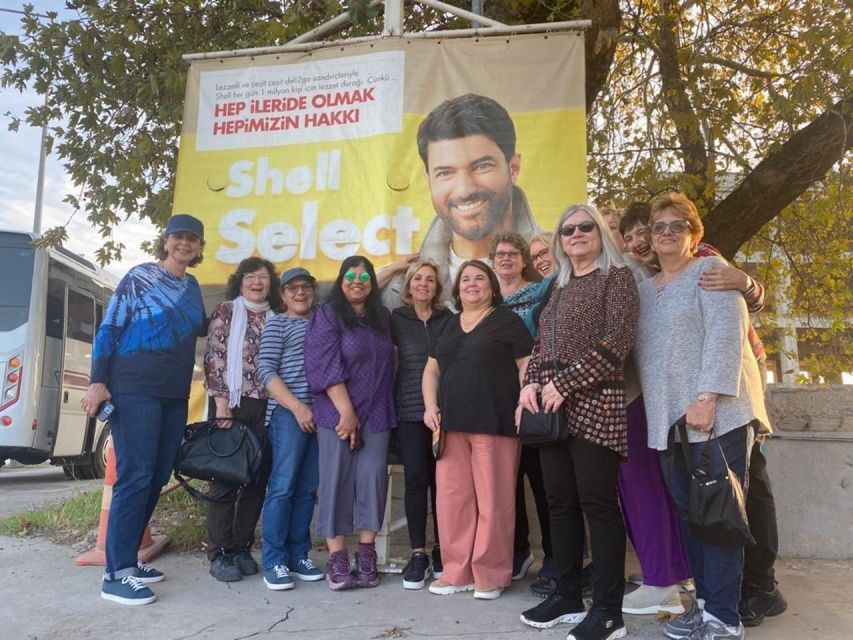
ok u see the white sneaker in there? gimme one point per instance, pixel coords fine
(648, 600)
(442, 588)
(492, 593)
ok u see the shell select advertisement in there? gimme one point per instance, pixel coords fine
(306, 158)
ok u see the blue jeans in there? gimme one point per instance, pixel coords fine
(717, 570)
(291, 492)
(147, 432)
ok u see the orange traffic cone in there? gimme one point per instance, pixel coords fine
(151, 545)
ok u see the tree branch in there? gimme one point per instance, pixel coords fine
(600, 44)
(781, 178)
(677, 100)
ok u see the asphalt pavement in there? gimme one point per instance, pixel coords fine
(45, 596)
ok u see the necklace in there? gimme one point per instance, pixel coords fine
(467, 327)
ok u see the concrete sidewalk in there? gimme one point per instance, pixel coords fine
(46, 597)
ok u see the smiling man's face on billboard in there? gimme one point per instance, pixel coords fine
(470, 183)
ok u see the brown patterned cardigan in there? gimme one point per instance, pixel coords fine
(597, 318)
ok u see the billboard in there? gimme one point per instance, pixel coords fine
(305, 158)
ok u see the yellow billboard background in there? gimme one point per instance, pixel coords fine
(312, 204)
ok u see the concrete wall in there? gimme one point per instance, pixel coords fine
(810, 462)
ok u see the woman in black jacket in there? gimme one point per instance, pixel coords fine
(414, 328)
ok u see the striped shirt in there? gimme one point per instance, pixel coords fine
(282, 356)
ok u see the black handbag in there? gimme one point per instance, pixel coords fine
(226, 456)
(543, 428)
(717, 507)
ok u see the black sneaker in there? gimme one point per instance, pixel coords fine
(437, 566)
(756, 605)
(417, 572)
(521, 562)
(598, 625)
(554, 610)
(245, 562)
(543, 588)
(224, 568)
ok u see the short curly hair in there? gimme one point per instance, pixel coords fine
(161, 254)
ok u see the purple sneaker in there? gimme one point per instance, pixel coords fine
(338, 574)
(365, 559)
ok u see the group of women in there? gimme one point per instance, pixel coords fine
(555, 325)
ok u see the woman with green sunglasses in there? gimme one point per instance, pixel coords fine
(349, 364)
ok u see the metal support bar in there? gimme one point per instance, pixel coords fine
(461, 13)
(393, 18)
(542, 27)
(335, 24)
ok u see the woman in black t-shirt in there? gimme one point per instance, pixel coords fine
(470, 387)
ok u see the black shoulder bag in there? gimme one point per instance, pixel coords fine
(226, 456)
(545, 428)
(717, 508)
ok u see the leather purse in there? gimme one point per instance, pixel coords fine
(543, 428)
(226, 456)
(717, 506)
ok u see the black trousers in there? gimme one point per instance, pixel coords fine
(231, 524)
(530, 466)
(758, 572)
(580, 479)
(415, 441)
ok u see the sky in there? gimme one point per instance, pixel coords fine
(19, 155)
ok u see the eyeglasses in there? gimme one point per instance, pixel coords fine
(568, 230)
(536, 257)
(257, 277)
(350, 276)
(297, 288)
(500, 255)
(676, 226)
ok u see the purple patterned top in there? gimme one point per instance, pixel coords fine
(360, 357)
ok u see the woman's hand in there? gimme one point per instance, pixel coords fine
(432, 418)
(701, 414)
(528, 399)
(551, 398)
(95, 396)
(304, 417)
(721, 277)
(223, 411)
(347, 426)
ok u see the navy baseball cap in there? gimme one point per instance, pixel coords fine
(185, 222)
(296, 272)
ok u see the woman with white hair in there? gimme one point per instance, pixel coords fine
(595, 307)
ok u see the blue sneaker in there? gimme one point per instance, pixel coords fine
(278, 578)
(147, 574)
(128, 590)
(307, 570)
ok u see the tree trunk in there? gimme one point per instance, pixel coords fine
(780, 178)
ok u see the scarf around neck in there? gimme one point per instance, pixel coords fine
(236, 336)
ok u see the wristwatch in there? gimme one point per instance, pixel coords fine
(705, 397)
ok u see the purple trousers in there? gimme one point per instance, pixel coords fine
(650, 518)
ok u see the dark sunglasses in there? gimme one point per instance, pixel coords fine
(349, 276)
(676, 226)
(568, 230)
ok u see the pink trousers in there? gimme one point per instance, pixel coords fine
(475, 479)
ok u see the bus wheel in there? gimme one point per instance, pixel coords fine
(98, 466)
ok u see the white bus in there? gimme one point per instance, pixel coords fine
(51, 303)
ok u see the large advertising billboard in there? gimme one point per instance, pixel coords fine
(305, 158)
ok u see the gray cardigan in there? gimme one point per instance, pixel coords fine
(690, 341)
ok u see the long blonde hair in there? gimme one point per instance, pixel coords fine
(406, 294)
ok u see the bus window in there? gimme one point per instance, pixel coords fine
(81, 317)
(55, 308)
(16, 257)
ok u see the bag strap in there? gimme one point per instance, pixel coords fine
(554, 330)
(214, 429)
(681, 426)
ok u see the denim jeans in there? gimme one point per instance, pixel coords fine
(291, 492)
(147, 432)
(717, 569)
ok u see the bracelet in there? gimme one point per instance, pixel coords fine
(705, 397)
